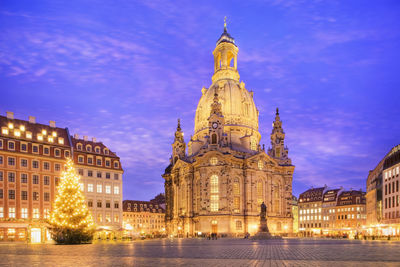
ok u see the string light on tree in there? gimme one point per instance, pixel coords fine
(70, 219)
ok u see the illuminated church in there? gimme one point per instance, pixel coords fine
(218, 184)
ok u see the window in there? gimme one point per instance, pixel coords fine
(90, 203)
(24, 147)
(116, 205)
(46, 165)
(1, 160)
(11, 177)
(108, 218)
(214, 193)
(99, 203)
(35, 149)
(106, 151)
(46, 180)
(80, 159)
(24, 213)
(238, 225)
(66, 153)
(1, 212)
(36, 214)
(99, 217)
(46, 213)
(35, 196)
(57, 152)
(80, 171)
(35, 164)
(11, 212)
(11, 194)
(213, 161)
(236, 204)
(24, 195)
(57, 167)
(99, 188)
(1, 143)
(46, 196)
(79, 146)
(11, 145)
(108, 189)
(35, 179)
(116, 218)
(89, 148)
(97, 149)
(108, 175)
(60, 140)
(90, 187)
(46, 150)
(11, 161)
(98, 162)
(24, 163)
(29, 135)
(98, 174)
(116, 176)
(90, 160)
(4, 130)
(82, 187)
(24, 178)
(259, 192)
(108, 163)
(253, 143)
(116, 190)
(108, 204)
(90, 173)
(116, 164)
(56, 179)
(260, 165)
(1, 193)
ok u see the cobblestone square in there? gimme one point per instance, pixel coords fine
(200, 252)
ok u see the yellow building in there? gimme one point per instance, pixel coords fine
(219, 183)
(143, 218)
(295, 213)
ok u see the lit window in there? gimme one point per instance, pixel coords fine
(4, 130)
(44, 132)
(214, 193)
(108, 218)
(260, 164)
(90, 188)
(54, 134)
(11, 126)
(82, 186)
(100, 217)
(46, 213)
(236, 189)
(60, 140)
(36, 213)
(11, 212)
(24, 213)
(116, 218)
(40, 137)
(259, 192)
(22, 127)
(116, 190)
(108, 189)
(99, 188)
(1, 212)
(17, 133)
(50, 139)
(253, 143)
(236, 204)
(28, 135)
(213, 161)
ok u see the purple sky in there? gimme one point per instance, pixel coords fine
(125, 71)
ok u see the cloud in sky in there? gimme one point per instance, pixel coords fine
(124, 72)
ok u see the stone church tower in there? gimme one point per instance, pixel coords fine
(219, 184)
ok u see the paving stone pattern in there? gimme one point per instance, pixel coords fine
(201, 252)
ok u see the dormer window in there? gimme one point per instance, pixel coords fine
(89, 148)
(40, 137)
(4, 130)
(116, 164)
(106, 151)
(11, 126)
(22, 128)
(44, 132)
(97, 149)
(54, 134)
(17, 133)
(29, 135)
(79, 146)
(60, 140)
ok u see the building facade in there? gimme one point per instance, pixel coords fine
(219, 183)
(310, 211)
(329, 203)
(374, 195)
(32, 158)
(143, 218)
(295, 214)
(101, 181)
(351, 211)
(391, 195)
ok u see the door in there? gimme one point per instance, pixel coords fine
(36, 235)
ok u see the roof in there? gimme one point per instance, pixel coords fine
(331, 195)
(393, 157)
(147, 206)
(226, 37)
(312, 195)
(75, 141)
(350, 197)
(36, 129)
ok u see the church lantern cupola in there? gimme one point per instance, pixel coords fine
(225, 57)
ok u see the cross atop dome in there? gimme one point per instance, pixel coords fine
(225, 36)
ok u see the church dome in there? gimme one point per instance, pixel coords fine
(238, 106)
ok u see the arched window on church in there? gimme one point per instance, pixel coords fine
(276, 199)
(259, 192)
(236, 195)
(278, 152)
(214, 192)
(213, 139)
(253, 143)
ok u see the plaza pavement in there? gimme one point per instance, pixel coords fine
(202, 252)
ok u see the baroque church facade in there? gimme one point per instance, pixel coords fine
(217, 182)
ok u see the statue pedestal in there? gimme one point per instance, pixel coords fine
(263, 232)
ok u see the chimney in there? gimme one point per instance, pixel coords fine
(10, 115)
(52, 124)
(94, 139)
(85, 137)
(32, 119)
(76, 136)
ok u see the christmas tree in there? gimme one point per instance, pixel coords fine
(70, 220)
